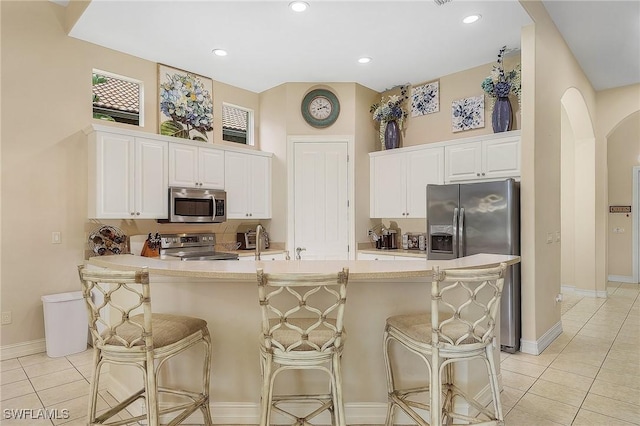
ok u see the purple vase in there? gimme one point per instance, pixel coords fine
(392, 135)
(501, 117)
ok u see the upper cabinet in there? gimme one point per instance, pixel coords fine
(399, 180)
(248, 184)
(130, 173)
(494, 158)
(195, 167)
(127, 177)
(399, 177)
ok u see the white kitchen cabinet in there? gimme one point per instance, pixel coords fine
(127, 177)
(248, 184)
(493, 158)
(264, 257)
(195, 167)
(371, 256)
(399, 181)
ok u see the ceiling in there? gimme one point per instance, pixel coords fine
(408, 41)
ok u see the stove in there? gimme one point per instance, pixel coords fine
(192, 247)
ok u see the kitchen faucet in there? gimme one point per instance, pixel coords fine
(259, 230)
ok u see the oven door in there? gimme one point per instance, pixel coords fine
(197, 205)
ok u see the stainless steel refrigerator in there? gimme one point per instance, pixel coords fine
(466, 219)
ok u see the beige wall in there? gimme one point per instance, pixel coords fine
(549, 69)
(46, 92)
(436, 127)
(623, 154)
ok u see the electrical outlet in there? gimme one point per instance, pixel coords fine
(549, 238)
(6, 317)
(56, 238)
(557, 236)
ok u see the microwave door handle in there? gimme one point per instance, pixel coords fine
(461, 236)
(213, 214)
(455, 232)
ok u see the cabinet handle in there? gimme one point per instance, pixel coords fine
(137, 213)
(477, 174)
(250, 214)
(482, 174)
(407, 213)
(403, 214)
(133, 214)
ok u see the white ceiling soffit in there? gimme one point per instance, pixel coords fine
(268, 44)
(604, 36)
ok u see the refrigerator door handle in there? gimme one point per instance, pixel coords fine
(461, 233)
(455, 233)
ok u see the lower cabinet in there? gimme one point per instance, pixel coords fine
(371, 256)
(265, 256)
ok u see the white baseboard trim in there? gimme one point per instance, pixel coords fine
(246, 413)
(22, 349)
(536, 347)
(622, 279)
(584, 292)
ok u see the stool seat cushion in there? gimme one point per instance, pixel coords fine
(166, 328)
(320, 335)
(418, 327)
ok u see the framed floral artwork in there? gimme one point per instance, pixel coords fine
(467, 113)
(425, 99)
(185, 107)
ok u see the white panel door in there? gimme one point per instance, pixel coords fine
(183, 165)
(423, 167)
(388, 196)
(463, 161)
(237, 184)
(114, 182)
(151, 179)
(501, 158)
(211, 168)
(320, 204)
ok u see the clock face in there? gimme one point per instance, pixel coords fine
(320, 108)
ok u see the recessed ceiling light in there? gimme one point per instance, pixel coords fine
(364, 60)
(219, 52)
(298, 6)
(471, 19)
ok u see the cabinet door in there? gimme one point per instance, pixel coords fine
(388, 188)
(111, 165)
(463, 162)
(371, 256)
(236, 183)
(260, 188)
(151, 179)
(183, 165)
(423, 167)
(501, 158)
(211, 168)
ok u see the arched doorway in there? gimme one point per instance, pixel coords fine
(578, 195)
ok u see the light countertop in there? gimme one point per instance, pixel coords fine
(246, 270)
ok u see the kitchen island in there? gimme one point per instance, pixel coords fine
(225, 294)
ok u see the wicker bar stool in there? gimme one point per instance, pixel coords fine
(125, 332)
(460, 327)
(302, 328)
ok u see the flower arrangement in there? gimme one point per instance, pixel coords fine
(187, 102)
(391, 109)
(500, 83)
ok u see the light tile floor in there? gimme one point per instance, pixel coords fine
(590, 375)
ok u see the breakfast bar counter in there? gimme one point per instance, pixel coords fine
(225, 294)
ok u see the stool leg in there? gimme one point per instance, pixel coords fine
(265, 397)
(206, 409)
(151, 391)
(337, 380)
(495, 385)
(435, 390)
(93, 391)
(390, 384)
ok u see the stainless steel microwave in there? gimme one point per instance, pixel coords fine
(197, 205)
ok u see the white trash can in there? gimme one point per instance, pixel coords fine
(65, 323)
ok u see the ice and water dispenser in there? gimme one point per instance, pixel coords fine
(441, 239)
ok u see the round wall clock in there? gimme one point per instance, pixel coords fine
(320, 108)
